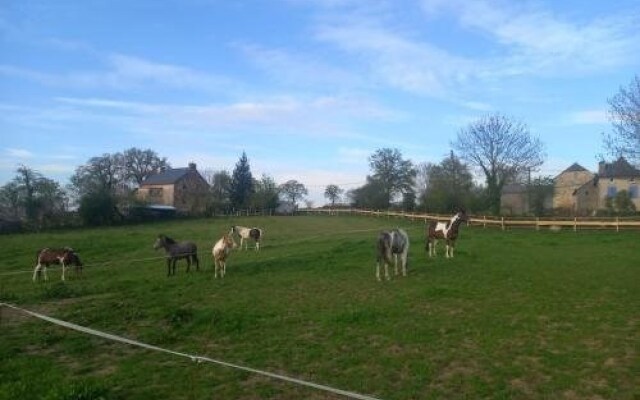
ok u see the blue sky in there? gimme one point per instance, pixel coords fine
(308, 88)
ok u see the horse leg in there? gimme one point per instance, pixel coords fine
(63, 268)
(453, 245)
(37, 271)
(215, 268)
(403, 259)
(188, 263)
(196, 261)
(378, 270)
(395, 263)
(257, 245)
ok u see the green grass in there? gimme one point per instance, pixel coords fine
(515, 315)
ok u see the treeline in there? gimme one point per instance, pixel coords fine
(103, 192)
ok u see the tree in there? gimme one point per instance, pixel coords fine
(501, 148)
(540, 190)
(393, 174)
(241, 183)
(266, 193)
(140, 164)
(370, 195)
(449, 186)
(293, 190)
(95, 184)
(624, 114)
(333, 193)
(219, 189)
(99, 174)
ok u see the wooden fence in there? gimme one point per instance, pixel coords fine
(576, 223)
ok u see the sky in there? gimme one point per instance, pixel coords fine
(309, 89)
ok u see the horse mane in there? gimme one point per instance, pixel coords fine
(168, 240)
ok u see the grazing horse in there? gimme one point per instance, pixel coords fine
(390, 245)
(64, 256)
(176, 251)
(220, 252)
(447, 231)
(247, 233)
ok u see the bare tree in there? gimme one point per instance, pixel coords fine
(293, 190)
(501, 148)
(625, 117)
(139, 164)
(333, 193)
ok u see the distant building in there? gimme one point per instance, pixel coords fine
(610, 179)
(182, 188)
(566, 183)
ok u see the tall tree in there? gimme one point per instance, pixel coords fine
(266, 193)
(140, 164)
(624, 113)
(449, 186)
(333, 193)
(99, 174)
(293, 191)
(370, 195)
(241, 183)
(501, 148)
(394, 174)
(219, 189)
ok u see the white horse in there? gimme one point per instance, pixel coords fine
(247, 233)
(447, 231)
(390, 245)
(220, 252)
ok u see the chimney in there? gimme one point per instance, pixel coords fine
(192, 166)
(601, 168)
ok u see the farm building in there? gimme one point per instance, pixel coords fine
(514, 199)
(566, 183)
(610, 179)
(182, 188)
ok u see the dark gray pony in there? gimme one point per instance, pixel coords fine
(176, 251)
(390, 244)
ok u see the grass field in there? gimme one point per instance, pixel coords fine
(516, 315)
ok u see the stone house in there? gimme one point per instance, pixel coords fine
(610, 179)
(182, 188)
(566, 183)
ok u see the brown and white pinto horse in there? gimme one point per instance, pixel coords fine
(65, 256)
(447, 231)
(247, 233)
(220, 252)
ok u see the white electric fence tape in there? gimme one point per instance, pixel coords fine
(194, 358)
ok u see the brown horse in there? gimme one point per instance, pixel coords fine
(447, 231)
(176, 251)
(65, 256)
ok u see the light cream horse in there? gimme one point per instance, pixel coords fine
(220, 252)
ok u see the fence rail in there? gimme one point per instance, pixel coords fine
(503, 223)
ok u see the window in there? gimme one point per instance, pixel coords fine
(633, 191)
(612, 191)
(155, 192)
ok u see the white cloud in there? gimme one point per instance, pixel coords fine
(18, 153)
(588, 117)
(536, 41)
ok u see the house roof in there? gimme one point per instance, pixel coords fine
(575, 167)
(166, 177)
(618, 169)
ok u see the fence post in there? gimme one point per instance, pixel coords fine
(617, 224)
(537, 223)
(484, 224)
(575, 224)
(502, 221)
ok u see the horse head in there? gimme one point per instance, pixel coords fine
(160, 242)
(229, 242)
(462, 215)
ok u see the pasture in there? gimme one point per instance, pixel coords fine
(515, 315)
